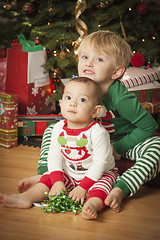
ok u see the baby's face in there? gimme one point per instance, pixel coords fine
(78, 103)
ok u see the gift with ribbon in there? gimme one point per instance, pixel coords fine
(27, 78)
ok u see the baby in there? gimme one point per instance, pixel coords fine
(80, 157)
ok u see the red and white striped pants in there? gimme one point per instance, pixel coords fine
(100, 189)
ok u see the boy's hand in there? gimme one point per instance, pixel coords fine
(116, 155)
(78, 194)
(57, 188)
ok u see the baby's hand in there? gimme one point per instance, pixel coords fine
(57, 188)
(78, 194)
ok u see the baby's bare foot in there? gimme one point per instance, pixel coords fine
(89, 212)
(26, 183)
(114, 199)
(91, 208)
(14, 201)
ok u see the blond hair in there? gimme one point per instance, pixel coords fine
(96, 88)
(109, 43)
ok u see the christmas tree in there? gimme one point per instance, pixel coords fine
(60, 25)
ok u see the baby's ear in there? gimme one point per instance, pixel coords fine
(118, 72)
(97, 111)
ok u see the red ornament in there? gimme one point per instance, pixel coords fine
(137, 60)
(2, 52)
(37, 41)
(149, 65)
(30, 9)
(51, 86)
(142, 8)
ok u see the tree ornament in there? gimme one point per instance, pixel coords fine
(81, 27)
(137, 60)
(52, 86)
(122, 27)
(14, 3)
(142, 8)
(62, 54)
(7, 6)
(37, 41)
(30, 9)
(50, 9)
(149, 65)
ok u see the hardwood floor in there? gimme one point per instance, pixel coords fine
(139, 218)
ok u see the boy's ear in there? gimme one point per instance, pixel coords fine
(118, 72)
(97, 110)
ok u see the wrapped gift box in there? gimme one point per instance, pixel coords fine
(35, 125)
(135, 76)
(3, 67)
(149, 96)
(26, 78)
(151, 107)
(8, 120)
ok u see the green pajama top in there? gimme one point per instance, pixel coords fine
(131, 123)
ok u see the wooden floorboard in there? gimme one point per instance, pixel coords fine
(138, 220)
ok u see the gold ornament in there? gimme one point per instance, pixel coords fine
(50, 9)
(123, 30)
(7, 6)
(14, 3)
(62, 54)
(81, 27)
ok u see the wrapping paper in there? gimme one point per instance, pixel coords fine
(8, 120)
(135, 76)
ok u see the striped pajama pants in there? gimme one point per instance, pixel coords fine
(100, 189)
(147, 165)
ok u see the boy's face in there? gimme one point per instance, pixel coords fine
(97, 66)
(78, 104)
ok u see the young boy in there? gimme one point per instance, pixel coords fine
(103, 56)
(80, 156)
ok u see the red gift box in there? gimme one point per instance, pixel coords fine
(8, 120)
(26, 78)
